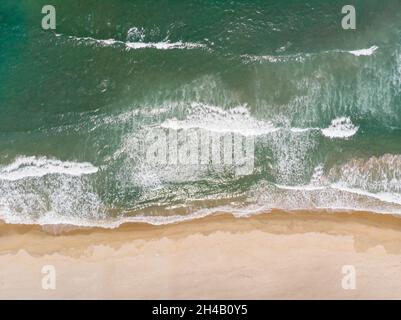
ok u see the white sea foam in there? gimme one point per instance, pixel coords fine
(39, 191)
(301, 187)
(388, 197)
(302, 57)
(376, 174)
(53, 218)
(330, 197)
(305, 197)
(340, 128)
(239, 120)
(136, 34)
(28, 167)
(355, 185)
(162, 45)
(215, 119)
(374, 179)
(298, 57)
(165, 45)
(302, 130)
(382, 196)
(364, 52)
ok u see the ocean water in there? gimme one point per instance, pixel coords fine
(320, 105)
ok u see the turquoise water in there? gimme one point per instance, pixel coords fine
(322, 106)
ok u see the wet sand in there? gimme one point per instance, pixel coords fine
(278, 255)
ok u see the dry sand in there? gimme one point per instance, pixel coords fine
(276, 255)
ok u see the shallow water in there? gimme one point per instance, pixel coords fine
(318, 106)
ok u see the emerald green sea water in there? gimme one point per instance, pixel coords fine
(321, 105)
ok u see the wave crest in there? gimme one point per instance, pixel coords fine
(29, 167)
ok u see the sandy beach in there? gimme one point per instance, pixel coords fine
(200, 150)
(277, 255)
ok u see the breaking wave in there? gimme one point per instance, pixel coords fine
(29, 167)
(162, 45)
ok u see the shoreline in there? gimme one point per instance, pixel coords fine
(277, 255)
